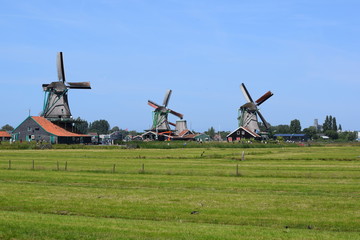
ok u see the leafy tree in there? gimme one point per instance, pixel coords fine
(334, 125)
(211, 132)
(133, 133)
(295, 126)
(81, 126)
(223, 134)
(263, 128)
(115, 129)
(99, 126)
(7, 127)
(348, 136)
(340, 128)
(280, 129)
(310, 132)
(332, 134)
(326, 124)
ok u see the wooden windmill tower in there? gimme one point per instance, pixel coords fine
(249, 112)
(56, 105)
(160, 114)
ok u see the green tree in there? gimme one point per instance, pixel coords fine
(134, 133)
(7, 127)
(262, 127)
(330, 124)
(334, 125)
(332, 134)
(348, 136)
(295, 126)
(115, 129)
(310, 132)
(211, 132)
(223, 134)
(326, 125)
(280, 129)
(81, 126)
(99, 126)
(340, 128)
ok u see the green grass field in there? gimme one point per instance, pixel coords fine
(276, 193)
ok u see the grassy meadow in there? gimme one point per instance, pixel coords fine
(183, 193)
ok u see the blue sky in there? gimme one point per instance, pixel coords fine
(306, 52)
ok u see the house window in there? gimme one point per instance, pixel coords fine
(29, 129)
(37, 129)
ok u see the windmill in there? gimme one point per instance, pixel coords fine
(160, 114)
(249, 112)
(56, 104)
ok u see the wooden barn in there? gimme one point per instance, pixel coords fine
(41, 129)
(4, 136)
(242, 133)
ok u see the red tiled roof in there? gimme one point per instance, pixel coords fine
(183, 132)
(54, 129)
(4, 134)
(252, 133)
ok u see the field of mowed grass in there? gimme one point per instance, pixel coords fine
(185, 193)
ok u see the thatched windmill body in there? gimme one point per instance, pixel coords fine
(56, 103)
(160, 114)
(249, 112)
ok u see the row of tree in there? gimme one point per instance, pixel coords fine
(100, 127)
(329, 128)
(330, 124)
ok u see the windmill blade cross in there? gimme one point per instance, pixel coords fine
(167, 97)
(246, 93)
(263, 98)
(263, 119)
(79, 85)
(176, 113)
(60, 67)
(152, 104)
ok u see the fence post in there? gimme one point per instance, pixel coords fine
(243, 156)
(33, 164)
(142, 168)
(237, 169)
(9, 164)
(114, 168)
(57, 165)
(66, 166)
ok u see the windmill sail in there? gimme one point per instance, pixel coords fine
(60, 67)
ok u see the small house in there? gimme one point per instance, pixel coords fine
(202, 137)
(4, 136)
(242, 133)
(41, 129)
